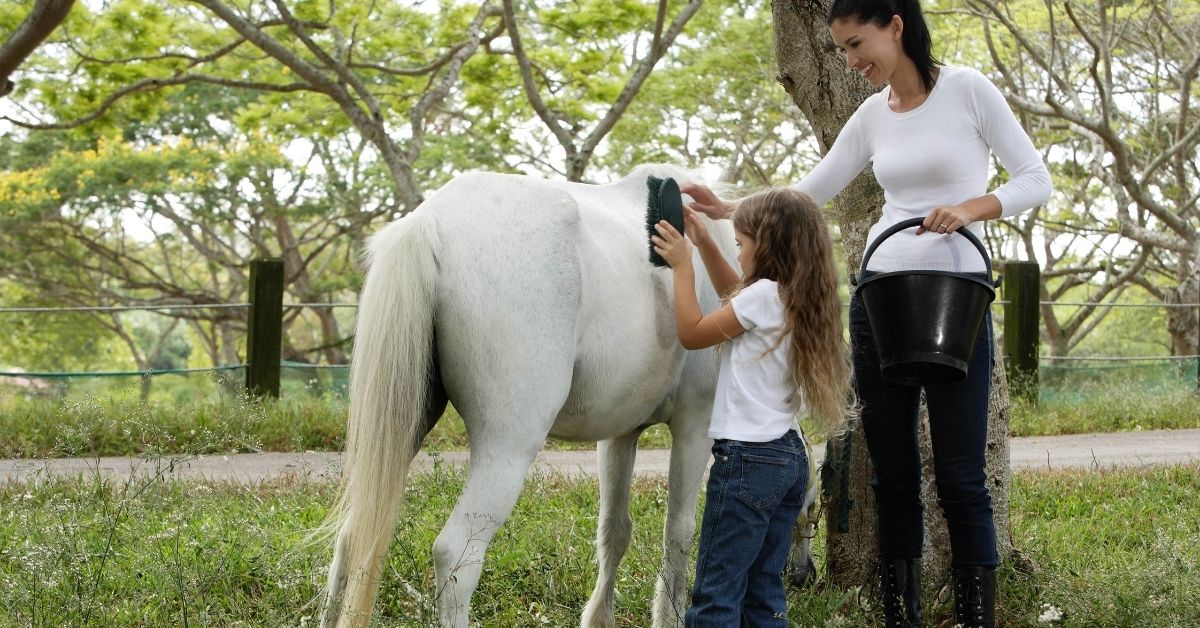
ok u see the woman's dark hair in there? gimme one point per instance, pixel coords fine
(915, 38)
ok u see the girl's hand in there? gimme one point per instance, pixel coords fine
(947, 219)
(694, 228)
(672, 246)
(706, 202)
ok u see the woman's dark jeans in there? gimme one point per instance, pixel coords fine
(958, 431)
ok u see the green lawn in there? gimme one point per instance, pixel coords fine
(1114, 548)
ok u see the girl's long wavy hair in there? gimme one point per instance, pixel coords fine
(793, 249)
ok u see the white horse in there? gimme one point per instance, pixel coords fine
(532, 306)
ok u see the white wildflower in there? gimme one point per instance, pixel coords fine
(1050, 614)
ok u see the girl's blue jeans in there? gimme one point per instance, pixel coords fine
(755, 494)
(958, 431)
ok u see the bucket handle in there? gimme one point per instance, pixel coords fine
(913, 222)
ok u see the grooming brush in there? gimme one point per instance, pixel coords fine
(664, 202)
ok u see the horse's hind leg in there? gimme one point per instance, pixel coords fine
(615, 528)
(495, 482)
(506, 432)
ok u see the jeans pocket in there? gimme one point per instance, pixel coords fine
(763, 480)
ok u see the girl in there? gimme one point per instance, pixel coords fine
(929, 135)
(786, 352)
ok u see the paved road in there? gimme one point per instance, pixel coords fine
(1040, 452)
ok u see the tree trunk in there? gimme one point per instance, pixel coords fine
(814, 74)
(1184, 323)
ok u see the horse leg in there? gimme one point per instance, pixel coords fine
(615, 528)
(501, 456)
(690, 449)
(801, 569)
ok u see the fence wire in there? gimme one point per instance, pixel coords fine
(1058, 371)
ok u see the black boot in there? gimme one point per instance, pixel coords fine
(975, 597)
(900, 589)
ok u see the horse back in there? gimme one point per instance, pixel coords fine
(521, 255)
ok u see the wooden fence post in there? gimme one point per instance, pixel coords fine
(264, 327)
(1022, 329)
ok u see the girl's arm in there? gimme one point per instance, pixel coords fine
(724, 278)
(695, 330)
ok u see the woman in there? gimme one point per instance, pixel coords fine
(928, 135)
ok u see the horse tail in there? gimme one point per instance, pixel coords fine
(389, 386)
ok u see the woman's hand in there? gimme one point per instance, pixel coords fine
(672, 246)
(951, 218)
(947, 219)
(694, 228)
(706, 202)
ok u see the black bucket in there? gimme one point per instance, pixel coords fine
(925, 322)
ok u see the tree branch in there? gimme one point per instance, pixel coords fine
(43, 18)
(370, 123)
(437, 92)
(332, 64)
(644, 68)
(153, 84)
(551, 121)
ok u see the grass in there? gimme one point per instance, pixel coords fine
(123, 426)
(1103, 406)
(119, 424)
(1119, 548)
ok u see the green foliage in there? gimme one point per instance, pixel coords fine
(104, 418)
(62, 342)
(148, 553)
(219, 198)
(716, 100)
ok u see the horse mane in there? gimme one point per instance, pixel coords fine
(680, 174)
(662, 170)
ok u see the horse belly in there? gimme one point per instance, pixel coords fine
(608, 399)
(628, 356)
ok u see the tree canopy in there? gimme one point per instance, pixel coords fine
(151, 149)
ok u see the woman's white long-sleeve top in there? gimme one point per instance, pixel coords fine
(934, 155)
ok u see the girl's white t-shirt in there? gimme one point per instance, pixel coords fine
(757, 399)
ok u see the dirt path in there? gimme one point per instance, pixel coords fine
(1041, 452)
